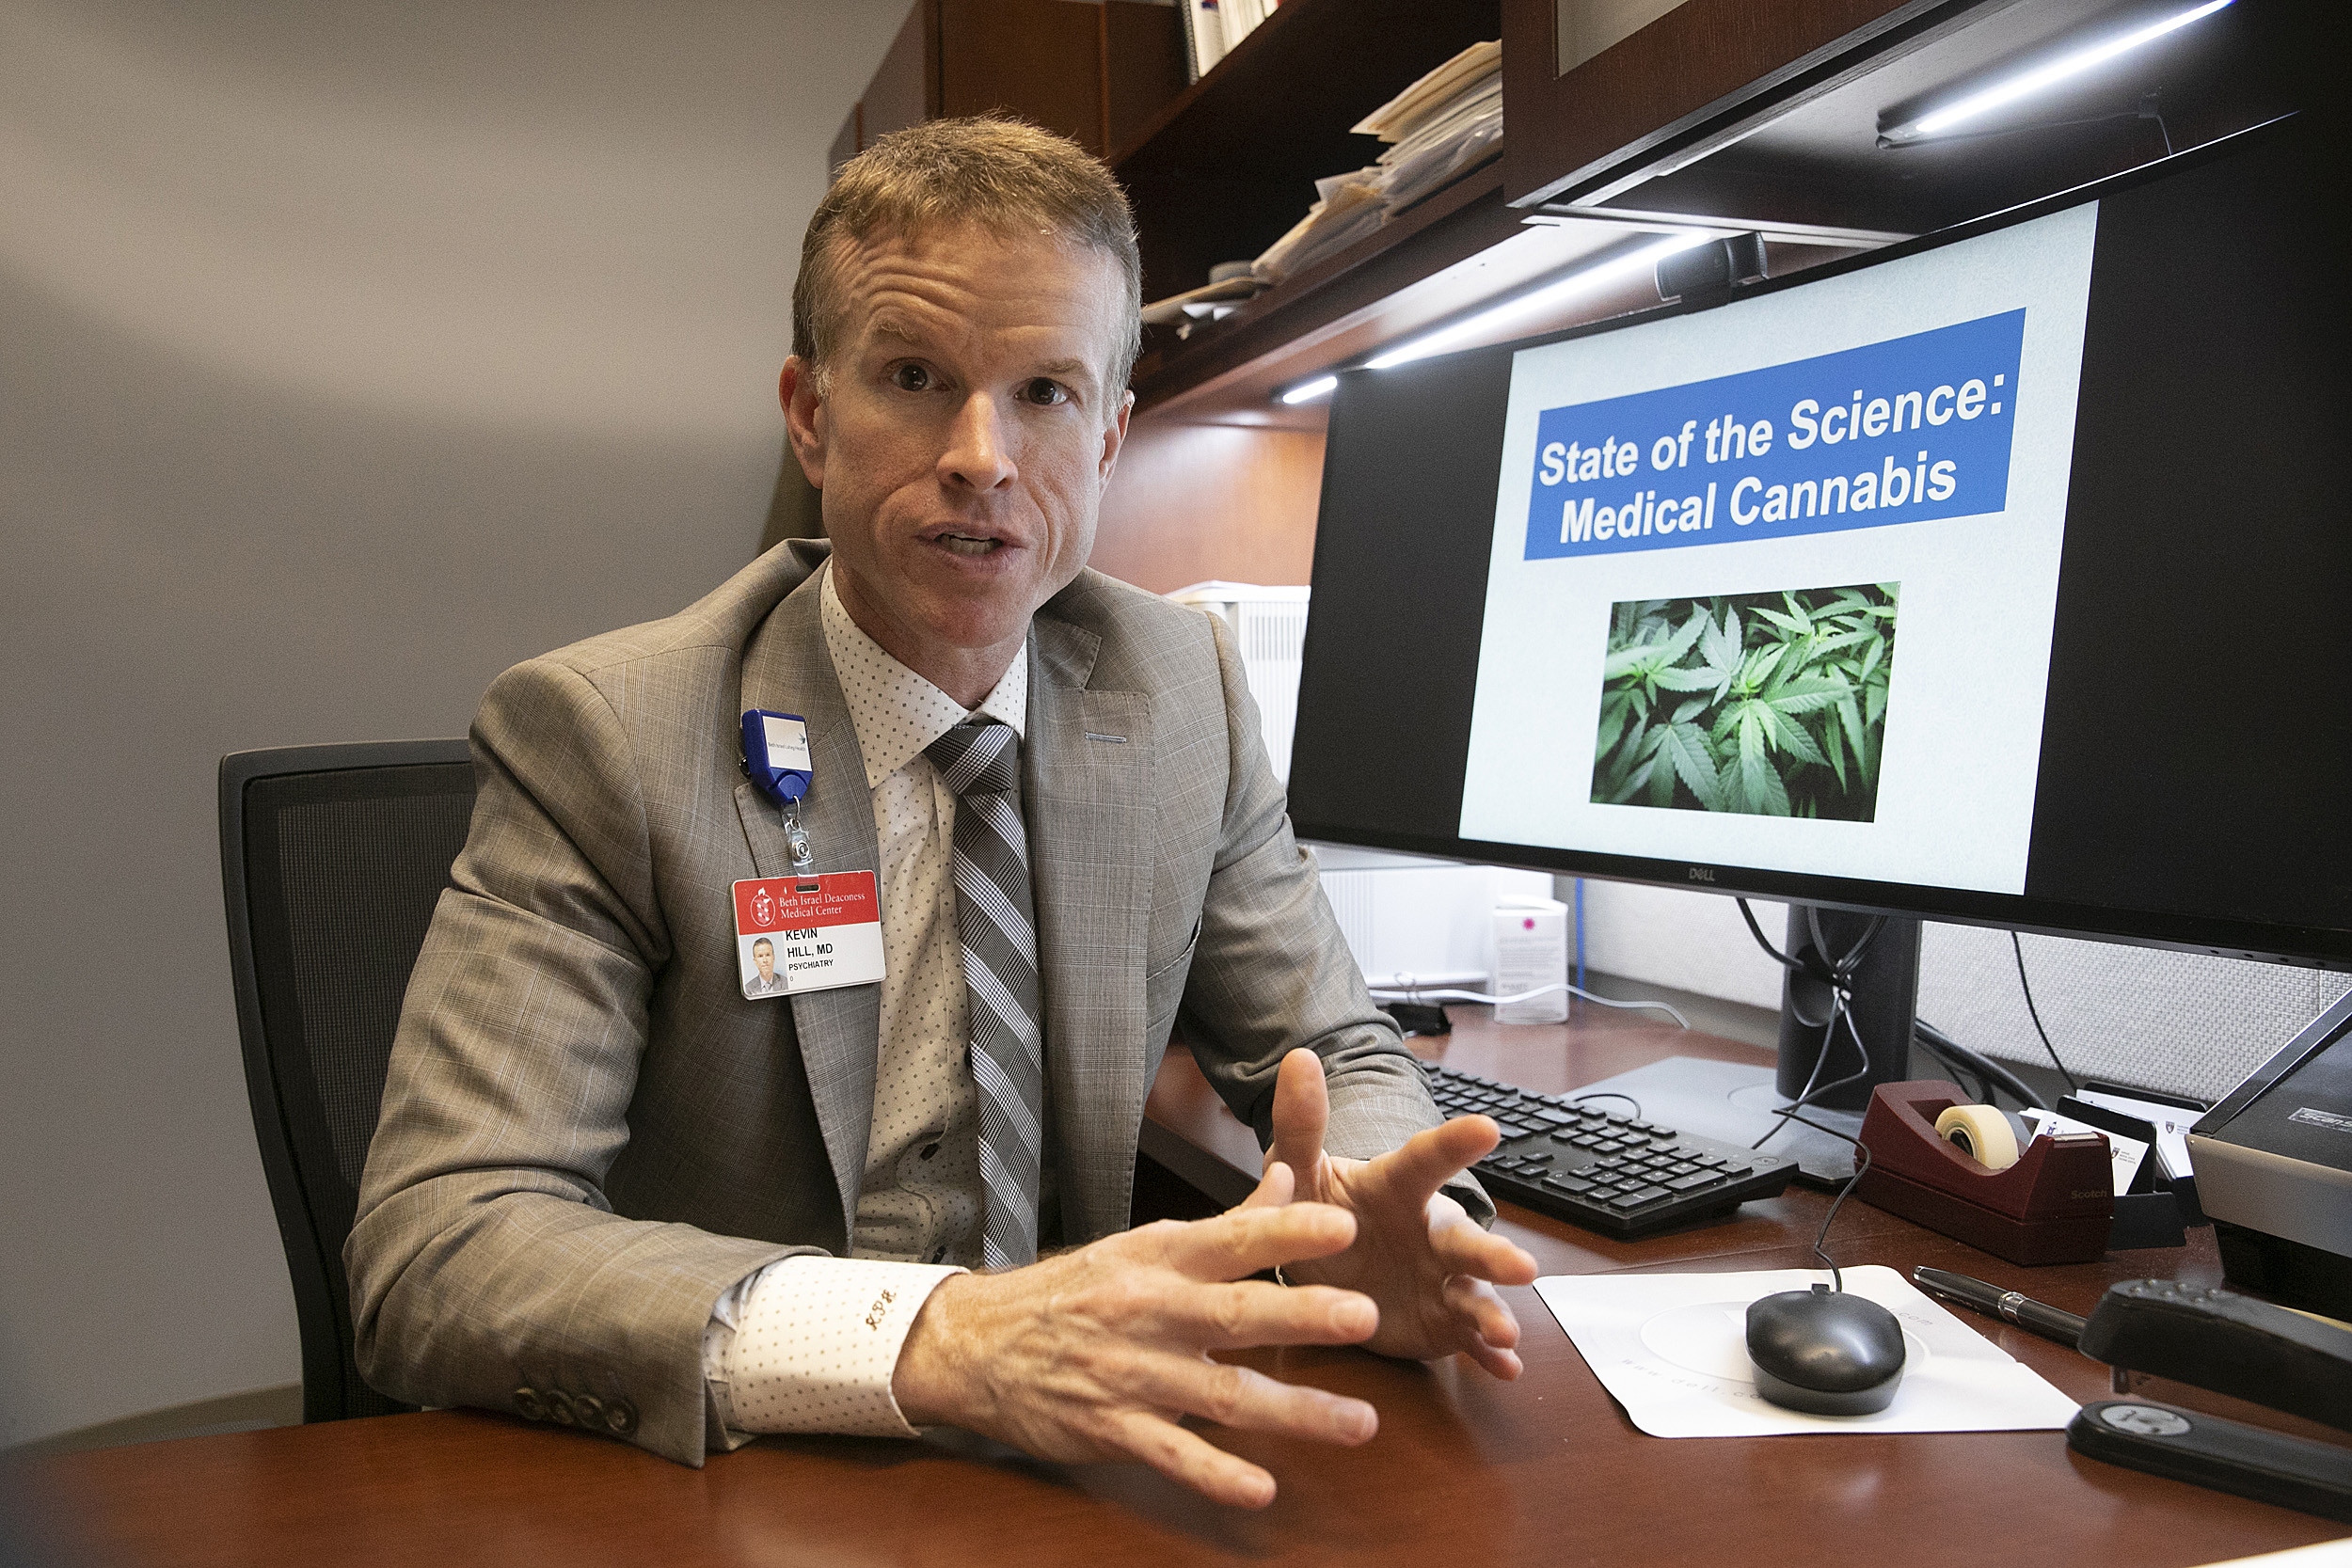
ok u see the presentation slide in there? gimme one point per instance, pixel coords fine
(1772, 585)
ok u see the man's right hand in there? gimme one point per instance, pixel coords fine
(1098, 1353)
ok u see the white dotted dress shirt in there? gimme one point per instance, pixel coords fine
(809, 1344)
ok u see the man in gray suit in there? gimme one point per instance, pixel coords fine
(608, 1189)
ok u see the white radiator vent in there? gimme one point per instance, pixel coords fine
(1269, 624)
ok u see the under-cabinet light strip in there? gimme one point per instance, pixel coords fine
(1306, 392)
(2025, 83)
(1583, 281)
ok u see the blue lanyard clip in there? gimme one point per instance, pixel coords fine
(775, 753)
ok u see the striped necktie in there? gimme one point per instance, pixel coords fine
(997, 922)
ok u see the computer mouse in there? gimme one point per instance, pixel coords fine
(1826, 1352)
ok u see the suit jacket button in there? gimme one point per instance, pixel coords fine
(529, 1403)
(620, 1417)
(588, 1410)
(560, 1407)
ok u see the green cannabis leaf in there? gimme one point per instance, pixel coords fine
(1770, 704)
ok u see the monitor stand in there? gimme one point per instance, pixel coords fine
(1735, 1102)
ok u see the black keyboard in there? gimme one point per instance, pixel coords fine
(1606, 1171)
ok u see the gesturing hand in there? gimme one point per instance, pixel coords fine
(1424, 1262)
(1097, 1353)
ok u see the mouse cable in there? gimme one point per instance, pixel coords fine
(1861, 1165)
(1609, 1094)
(1851, 963)
(1792, 965)
(2031, 1011)
(1990, 1075)
(1819, 968)
(1814, 1088)
(1820, 1057)
(1788, 1113)
(1840, 982)
(1816, 965)
(1817, 972)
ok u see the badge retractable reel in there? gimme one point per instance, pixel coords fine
(776, 757)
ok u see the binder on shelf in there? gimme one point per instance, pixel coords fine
(1212, 27)
(1204, 35)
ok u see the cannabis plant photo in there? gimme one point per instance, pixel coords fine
(1768, 703)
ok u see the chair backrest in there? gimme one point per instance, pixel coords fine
(331, 860)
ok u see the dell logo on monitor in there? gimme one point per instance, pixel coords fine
(1702, 873)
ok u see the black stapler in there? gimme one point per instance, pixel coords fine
(2232, 1344)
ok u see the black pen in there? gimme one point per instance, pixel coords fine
(2048, 1321)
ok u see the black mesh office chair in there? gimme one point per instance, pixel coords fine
(331, 858)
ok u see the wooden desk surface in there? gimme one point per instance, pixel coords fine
(1544, 1471)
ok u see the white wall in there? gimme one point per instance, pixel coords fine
(348, 353)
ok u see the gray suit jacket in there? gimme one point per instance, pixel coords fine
(589, 1132)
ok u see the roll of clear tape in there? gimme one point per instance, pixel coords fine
(1980, 1133)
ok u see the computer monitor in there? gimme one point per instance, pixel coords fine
(1998, 576)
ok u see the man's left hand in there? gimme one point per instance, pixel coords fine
(1425, 1263)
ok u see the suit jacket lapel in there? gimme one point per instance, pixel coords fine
(1086, 766)
(787, 670)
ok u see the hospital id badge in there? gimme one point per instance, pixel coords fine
(795, 934)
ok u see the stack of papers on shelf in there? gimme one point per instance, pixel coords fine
(1441, 125)
(1348, 208)
(1438, 128)
(1209, 302)
(1475, 70)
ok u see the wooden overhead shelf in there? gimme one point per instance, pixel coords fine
(1759, 116)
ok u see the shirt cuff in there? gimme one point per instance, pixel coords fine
(810, 1343)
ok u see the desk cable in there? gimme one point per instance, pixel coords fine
(1837, 975)
(1406, 990)
(2035, 1013)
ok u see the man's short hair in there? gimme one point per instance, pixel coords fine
(1005, 175)
(763, 943)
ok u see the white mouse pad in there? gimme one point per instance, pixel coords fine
(1672, 1349)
